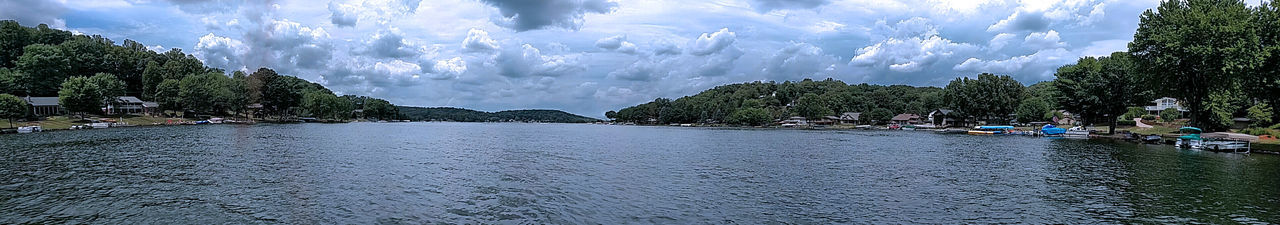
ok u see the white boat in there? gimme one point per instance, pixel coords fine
(30, 129)
(1077, 132)
(1225, 145)
(100, 125)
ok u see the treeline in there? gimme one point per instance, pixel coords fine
(757, 103)
(89, 72)
(467, 115)
(1220, 58)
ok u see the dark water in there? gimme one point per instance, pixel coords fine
(539, 173)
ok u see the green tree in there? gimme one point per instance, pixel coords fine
(109, 88)
(9, 81)
(379, 109)
(209, 93)
(1261, 115)
(878, 116)
(44, 68)
(13, 107)
(989, 97)
(81, 96)
(86, 55)
(168, 95)
(812, 106)
(1099, 90)
(1133, 112)
(326, 106)
(1032, 110)
(1169, 115)
(13, 37)
(750, 117)
(1195, 49)
(1265, 82)
(611, 114)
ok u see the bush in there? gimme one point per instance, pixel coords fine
(1259, 131)
(1148, 117)
(1260, 114)
(1135, 112)
(1169, 115)
(1126, 123)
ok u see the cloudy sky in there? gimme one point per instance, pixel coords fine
(590, 56)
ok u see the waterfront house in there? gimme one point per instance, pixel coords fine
(850, 118)
(796, 120)
(906, 118)
(126, 105)
(45, 106)
(1064, 121)
(941, 118)
(1165, 103)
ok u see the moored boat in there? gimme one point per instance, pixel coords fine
(30, 129)
(1051, 130)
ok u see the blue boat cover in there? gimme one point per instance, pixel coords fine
(1052, 130)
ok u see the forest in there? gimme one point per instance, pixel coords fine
(467, 115)
(88, 72)
(1220, 58)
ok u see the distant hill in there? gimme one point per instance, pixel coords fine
(467, 115)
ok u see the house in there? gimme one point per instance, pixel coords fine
(941, 118)
(126, 105)
(1165, 103)
(151, 108)
(1064, 121)
(796, 120)
(850, 118)
(45, 106)
(906, 118)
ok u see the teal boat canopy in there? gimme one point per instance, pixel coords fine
(995, 128)
(1187, 129)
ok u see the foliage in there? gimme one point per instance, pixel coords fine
(44, 68)
(8, 81)
(611, 114)
(207, 94)
(1195, 50)
(878, 116)
(169, 95)
(1134, 112)
(80, 95)
(811, 106)
(1126, 123)
(327, 106)
(1261, 115)
(467, 115)
(380, 109)
(784, 100)
(989, 97)
(13, 107)
(1032, 110)
(1169, 115)
(1148, 117)
(109, 88)
(750, 117)
(1098, 89)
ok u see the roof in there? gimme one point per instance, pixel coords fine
(944, 111)
(1159, 99)
(42, 101)
(851, 116)
(906, 117)
(130, 99)
(150, 104)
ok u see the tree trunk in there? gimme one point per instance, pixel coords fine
(1112, 129)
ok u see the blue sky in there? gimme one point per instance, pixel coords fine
(590, 56)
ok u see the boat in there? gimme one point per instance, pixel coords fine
(1051, 130)
(30, 129)
(909, 127)
(100, 125)
(895, 127)
(1077, 132)
(992, 130)
(864, 127)
(1152, 139)
(202, 122)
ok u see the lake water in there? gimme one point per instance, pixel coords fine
(470, 173)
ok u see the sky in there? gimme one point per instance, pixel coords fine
(591, 56)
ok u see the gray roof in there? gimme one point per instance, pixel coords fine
(42, 101)
(150, 104)
(130, 99)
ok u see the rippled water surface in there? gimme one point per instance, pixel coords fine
(548, 173)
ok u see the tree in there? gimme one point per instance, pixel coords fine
(44, 68)
(750, 117)
(878, 115)
(79, 95)
(1265, 82)
(168, 95)
(326, 106)
(611, 114)
(13, 107)
(1032, 110)
(208, 93)
(1097, 89)
(379, 109)
(1261, 115)
(8, 81)
(1169, 115)
(1195, 49)
(811, 106)
(989, 97)
(109, 88)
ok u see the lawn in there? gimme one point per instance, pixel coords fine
(64, 122)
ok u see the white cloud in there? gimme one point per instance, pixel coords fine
(479, 41)
(1000, 41)
(220, 52)
(529, 61)
(1044, 40)
(710, 43)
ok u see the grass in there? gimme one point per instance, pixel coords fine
(65, 122)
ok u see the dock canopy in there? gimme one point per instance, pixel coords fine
(1190, 129)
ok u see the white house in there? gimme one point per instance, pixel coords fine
(1165, 103)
